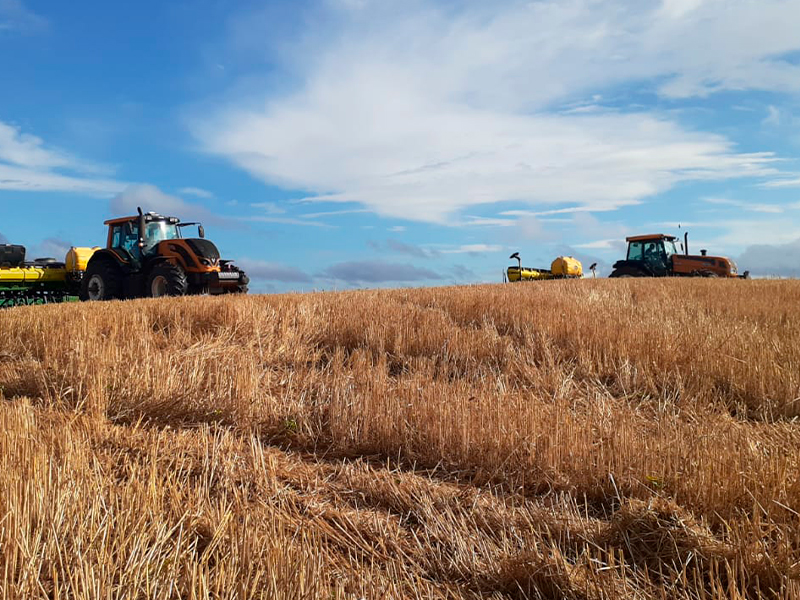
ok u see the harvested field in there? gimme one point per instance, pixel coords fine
(595, 439)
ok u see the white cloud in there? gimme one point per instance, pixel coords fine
(286, 221)
(782, 183)
(28, 164)
(773, 117)
(26, 150)
(736, 234)
(748, 206)
(420, 111)
(471, 220)
(332, 213)
(473, 249)
(197, 192)
(150, 198)
(607, 244)
(269, 208)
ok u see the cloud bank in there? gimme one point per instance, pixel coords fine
(771, 259)
(422, 110)
(269, 271)
(375, 271)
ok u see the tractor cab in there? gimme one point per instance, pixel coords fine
(138, 237)
(654, 252)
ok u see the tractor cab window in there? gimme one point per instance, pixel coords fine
(655, 256)
(652, 250)
(635, 251)
(158, 231)
(126, 237)
(669, 248)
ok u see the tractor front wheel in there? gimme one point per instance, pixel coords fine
(102, 281)
(167, 279)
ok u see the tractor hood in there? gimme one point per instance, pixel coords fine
(203, 249)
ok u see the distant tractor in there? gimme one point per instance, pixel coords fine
(655, 255)
(146, 255)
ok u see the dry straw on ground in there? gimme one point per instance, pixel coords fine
(583, 439)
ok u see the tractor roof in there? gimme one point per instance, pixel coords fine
(151, 216)
(650, 237)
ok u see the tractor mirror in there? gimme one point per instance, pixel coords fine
(201, 231)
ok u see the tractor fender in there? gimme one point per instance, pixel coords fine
(119, 257)
(179, 252)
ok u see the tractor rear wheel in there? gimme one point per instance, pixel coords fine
(627, 272)
(167, 279)
(102, 281)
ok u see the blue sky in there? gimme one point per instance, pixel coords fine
(354, 143)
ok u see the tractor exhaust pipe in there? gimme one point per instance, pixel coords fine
(686, 243)
(141, 228)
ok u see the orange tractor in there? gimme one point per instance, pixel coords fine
(147, 255)
(655, 255)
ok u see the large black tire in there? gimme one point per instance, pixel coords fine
(243, 284)
(167, 279)
(102, 281)
(627, 272)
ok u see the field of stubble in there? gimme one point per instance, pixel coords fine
(583, 439)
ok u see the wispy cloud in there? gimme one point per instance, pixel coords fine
(333, 213)
(748, 206)
(286, 221)
(274, 213)
(394, 246)
(782, 183)
(197, 192)
(399, 247)
(473, 249)
(421, 111)
(28, 164)
(14, 16)
(269, 208)
(607, 244)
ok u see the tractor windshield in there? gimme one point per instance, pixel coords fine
(158, 231)
(669, 248)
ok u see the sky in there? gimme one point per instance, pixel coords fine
(378, 143)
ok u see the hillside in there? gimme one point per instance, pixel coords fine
(579, 439)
